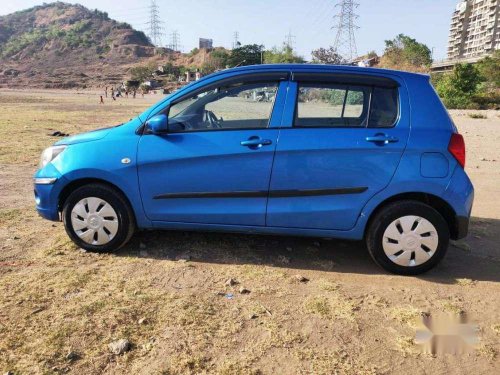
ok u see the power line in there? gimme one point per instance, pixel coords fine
(155, 24)
(289, 40)
(236, 41)
(175, 41)
(345, 42)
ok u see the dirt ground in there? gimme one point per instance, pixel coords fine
(166, 292)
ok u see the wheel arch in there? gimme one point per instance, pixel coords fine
(78, 183)
(439, 204)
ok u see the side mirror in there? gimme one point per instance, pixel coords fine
(158, 124)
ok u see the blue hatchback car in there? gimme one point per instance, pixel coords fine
(313, 150)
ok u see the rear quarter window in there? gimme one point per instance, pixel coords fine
(384, 107)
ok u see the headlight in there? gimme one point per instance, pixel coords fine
(50, 154)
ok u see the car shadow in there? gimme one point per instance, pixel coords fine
(477, 257)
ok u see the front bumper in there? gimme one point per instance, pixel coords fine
(48, 184)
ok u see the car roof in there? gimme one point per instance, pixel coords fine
(327, 68)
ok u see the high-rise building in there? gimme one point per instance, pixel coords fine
(475, 29)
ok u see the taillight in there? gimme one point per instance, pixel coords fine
(457, 148)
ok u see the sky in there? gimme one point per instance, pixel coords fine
(267, 22)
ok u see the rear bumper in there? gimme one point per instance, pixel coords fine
(460, 195)
(461, 227)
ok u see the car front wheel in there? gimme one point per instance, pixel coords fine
(98, 218)
(407, 237)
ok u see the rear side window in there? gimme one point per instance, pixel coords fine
(333, 105)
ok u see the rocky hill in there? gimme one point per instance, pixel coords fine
(60, 45)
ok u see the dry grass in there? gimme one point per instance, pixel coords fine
(465, 282)
(406, 345)
(453, 307)
(406, 315)
(57, 300)
(332, 307)
(477, 116)
(488, 352)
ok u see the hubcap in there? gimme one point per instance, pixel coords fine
(410, 241)
(94, 221)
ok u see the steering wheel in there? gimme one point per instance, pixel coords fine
(212, 119)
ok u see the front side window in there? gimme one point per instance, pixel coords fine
(240, 106)
(325, 105)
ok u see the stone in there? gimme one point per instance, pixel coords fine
(283, 259)
(231, 282)
(142, 321)
(462, 245)
(244, 290)
(119, 347)
(301, 279)
(72, 356)
(186, 257)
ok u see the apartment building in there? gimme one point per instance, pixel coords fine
(475, 29)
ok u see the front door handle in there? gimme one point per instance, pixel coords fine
(382, 139)
(256, 142)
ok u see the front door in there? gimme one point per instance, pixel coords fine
(343, 147)
(214, 165)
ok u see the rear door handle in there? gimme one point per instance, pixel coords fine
(382, 138)
(256, 142)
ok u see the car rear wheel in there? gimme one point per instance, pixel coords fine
(407, 237)
(98, 218)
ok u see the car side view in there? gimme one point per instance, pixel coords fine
(309, 150)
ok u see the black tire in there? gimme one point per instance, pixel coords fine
(387, 215)
(125, 216)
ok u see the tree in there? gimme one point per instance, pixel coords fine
(171, 69)
(142, 73)
(458, 88)
(218, 59)
(282, 55)
(489, 68)
(250, 54)
(327, 56)
(405, 53)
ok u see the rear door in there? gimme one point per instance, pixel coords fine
(214, 165)
(341, 141)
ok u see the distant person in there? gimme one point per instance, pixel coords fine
(133, 93)
(106, 91)
(113, 93)
(126, 94)
(102, 100)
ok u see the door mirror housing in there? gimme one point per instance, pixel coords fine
(158, 124)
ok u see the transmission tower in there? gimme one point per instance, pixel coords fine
(289, 40)
(155, 24)
(345, 42)
(174, 41)
(236, 42)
